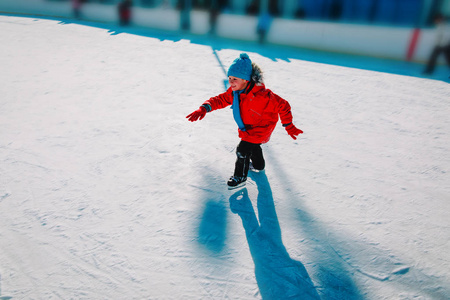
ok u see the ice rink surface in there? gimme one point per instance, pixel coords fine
(108, 192)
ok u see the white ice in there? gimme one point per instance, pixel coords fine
(108, 192)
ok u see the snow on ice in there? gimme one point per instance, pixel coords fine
(107, 192)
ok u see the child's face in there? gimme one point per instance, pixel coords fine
(237, 84)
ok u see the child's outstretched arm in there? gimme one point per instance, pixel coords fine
(217, 102)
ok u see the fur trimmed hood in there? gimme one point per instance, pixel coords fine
(257, 74)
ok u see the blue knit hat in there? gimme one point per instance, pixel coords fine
(241, 67)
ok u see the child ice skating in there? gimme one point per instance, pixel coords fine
(256, 111)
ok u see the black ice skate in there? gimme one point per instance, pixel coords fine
(236, 182)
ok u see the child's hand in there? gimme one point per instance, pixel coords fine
(197, 115)
(293, 131)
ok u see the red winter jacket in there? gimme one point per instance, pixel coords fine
(259, 108)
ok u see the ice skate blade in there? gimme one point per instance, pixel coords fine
(242, 184)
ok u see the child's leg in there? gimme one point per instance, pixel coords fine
(243, 152)
(258, 158)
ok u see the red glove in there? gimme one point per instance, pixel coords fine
(197, 115)
(293, 131)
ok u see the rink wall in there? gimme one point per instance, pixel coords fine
(369, 40)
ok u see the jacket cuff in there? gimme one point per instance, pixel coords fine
(207, 107)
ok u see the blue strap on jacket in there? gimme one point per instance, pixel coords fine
(236, 110)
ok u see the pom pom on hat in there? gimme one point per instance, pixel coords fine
(244, 55)
(241, 67)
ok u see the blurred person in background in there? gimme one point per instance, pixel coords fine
(214, 10)
(76, 8)
(442, 44)
(264, 21)
(185, 7)
(124, 10)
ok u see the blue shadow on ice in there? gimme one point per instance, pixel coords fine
(277, 274)
(335, 278)
(212, 230)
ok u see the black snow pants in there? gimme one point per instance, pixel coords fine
(247, 152)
